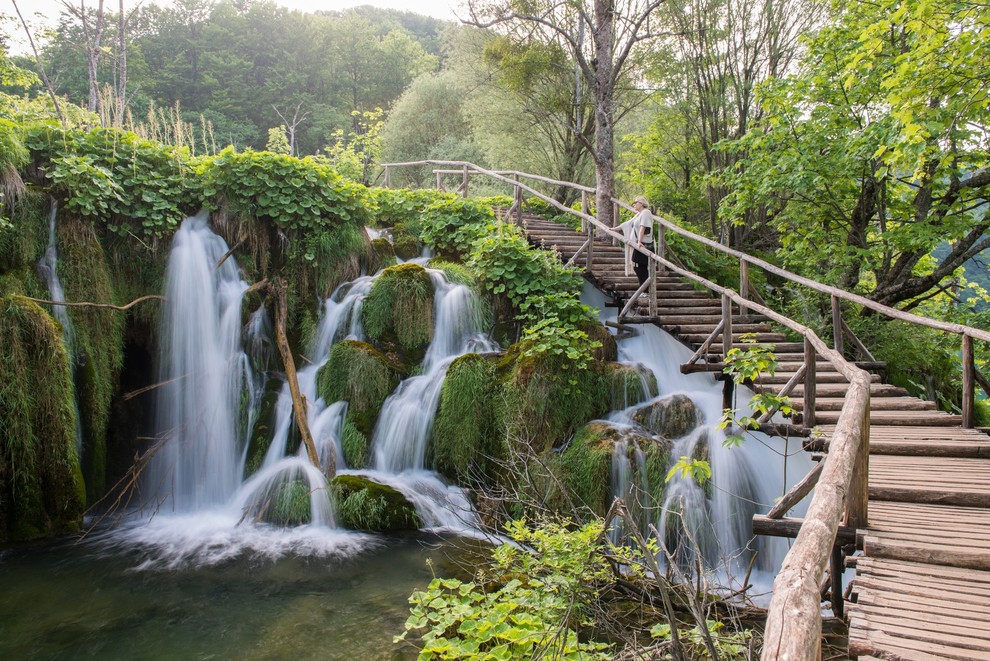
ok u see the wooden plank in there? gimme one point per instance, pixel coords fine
(946, 635)
(926, 571)
(914, 550)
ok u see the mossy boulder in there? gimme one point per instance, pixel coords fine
(579, 477)
(405, 244)
(43, 493)
(609, 350)
(670, 417)
(629, 384)
(468, 442)
(359, 374)
(290, 504)
(381, 255)
(362, 504)
(547, 398)
(398, 313)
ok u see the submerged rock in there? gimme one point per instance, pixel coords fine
(670, 417)
(362, 504)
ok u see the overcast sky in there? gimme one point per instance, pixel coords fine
(50, 9)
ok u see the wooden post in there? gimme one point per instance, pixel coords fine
(969, 382)
(653, 289)
(743, 283)
(615, 214)
(662, 245)
(810, 381)
(858, 500)
(439, 181)
(837, 333)
(727, 326)
(464, 182)
(388, 178)
(728, 386)
(519, 201)
(590, 256)
(835, 572)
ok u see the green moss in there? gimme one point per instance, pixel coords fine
(355, 446)
(44, 491)
(609, 350)
(629, 384)
(264, 427)
(290, 504)
(23, 242)
(99, 338)
(547, 398)
(381, 255)
(586, 468)
(406, 246)
(670, 417)
(468, 443)
(360, 375)
(399, 310)
(365, 505)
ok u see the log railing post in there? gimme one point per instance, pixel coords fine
(662, 246)
(968, 382)
(837, 333)
(726, 326)
(590, 256)
(388, 178)
(858, 500)
(653, 289)
(464, 182)
(519, 202)
(810, 381)
(743, 284)
(615, 214)
(439, 181)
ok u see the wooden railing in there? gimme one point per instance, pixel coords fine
(841, 498)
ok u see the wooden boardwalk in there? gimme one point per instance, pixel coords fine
(922, 583)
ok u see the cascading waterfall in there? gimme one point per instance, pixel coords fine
(204, 372)
(48, 271)
(746, 480)
(403, 429)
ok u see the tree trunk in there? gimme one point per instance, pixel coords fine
(604, 154)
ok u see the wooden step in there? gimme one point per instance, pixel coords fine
(876, 404)
(697, 338)
(837, 388)
(706, 329)
(898, 418)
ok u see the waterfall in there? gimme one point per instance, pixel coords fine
(403, 428)
(204, 372)
(48, 271)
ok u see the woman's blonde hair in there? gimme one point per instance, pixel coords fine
(642, 200)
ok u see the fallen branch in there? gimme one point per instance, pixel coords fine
(84, 304)
(228, 254)
(298, 401)
(140, 391)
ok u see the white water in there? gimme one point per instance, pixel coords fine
(48, 270)
(400, 438)
(746, 480)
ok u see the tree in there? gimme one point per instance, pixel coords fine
(615, 28)
(92, 23)
(877, 150)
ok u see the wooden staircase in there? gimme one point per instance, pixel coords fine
(922, 587)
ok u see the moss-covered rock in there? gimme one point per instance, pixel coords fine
(670, 417)
(355, 446)
(43, 490)
(405, 244)
(362, 504)
(468, 442)
(290, 504)
(609, 350)
(398, 312)
(630, 384)
(23, 241)
(99, 342)
(380, 256)
(547, 398)
(359, 374)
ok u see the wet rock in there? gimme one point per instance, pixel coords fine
(362, 504)
(670, 417)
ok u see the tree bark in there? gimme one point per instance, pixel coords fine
(603, 36)
(298, 400)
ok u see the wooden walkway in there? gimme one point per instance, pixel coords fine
(922, 583)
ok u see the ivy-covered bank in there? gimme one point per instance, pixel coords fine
(120, 199)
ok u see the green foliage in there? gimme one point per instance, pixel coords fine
(468, 442)
(535, 606)
(117, 180)
(399, 309)
(290, 504)
(24, 240)
(359, 374)
(393, 207)
(43, 493)
(354, 154)
(362, 504)
(695, 469)
(354, 445)
(452, 225)
(294, 193)
(730, 645)
(278, 141)
(746, 366)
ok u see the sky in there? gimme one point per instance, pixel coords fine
(444, 9)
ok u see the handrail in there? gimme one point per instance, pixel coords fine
(958, 329)
(793, 627)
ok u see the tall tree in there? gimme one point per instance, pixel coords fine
(93, 23)
(600, 35)
(877, 150)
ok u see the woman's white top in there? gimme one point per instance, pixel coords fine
(644, 219)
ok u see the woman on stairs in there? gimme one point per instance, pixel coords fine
(641, 233)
